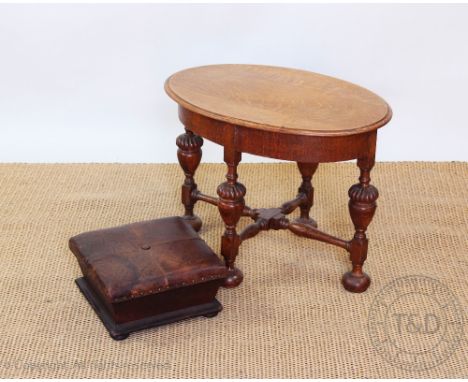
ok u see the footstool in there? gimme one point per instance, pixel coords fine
(148, 274)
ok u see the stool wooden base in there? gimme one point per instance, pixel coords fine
(122, 331)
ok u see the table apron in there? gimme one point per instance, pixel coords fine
(279, 145)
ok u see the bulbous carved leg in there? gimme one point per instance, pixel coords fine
(189, 155)
(231, 204)
(362, 207)
(307, 171)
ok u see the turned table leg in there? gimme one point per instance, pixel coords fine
(231, 204)
(189, 155)
(307, 171)
(362, 208)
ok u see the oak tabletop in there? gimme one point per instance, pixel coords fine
(278, 99)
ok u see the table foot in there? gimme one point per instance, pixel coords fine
(194, 221)
(306, 221)
(356, 283)
(234, 278)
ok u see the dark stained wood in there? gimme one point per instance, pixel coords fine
(291, 115)
(291, 205)
(275, 218)
(307, 170)
(308, 230)
(362, 207)
(247, 211)
(189, 155)
(278, 145)
(148, 273)
(231, 206)
(265, 219)
(121, 331)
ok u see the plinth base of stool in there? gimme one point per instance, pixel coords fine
(121, 331)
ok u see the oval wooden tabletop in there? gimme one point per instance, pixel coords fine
(278, 99)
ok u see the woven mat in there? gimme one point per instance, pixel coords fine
(289, 318)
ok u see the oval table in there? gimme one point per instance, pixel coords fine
(286, 114)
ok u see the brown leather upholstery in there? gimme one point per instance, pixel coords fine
(145, 258)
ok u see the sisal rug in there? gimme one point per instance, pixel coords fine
(289, 318)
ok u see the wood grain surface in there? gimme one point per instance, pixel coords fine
(278, 99)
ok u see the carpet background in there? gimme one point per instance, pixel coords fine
(289, 318)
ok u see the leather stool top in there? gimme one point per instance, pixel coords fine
(145, 258)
